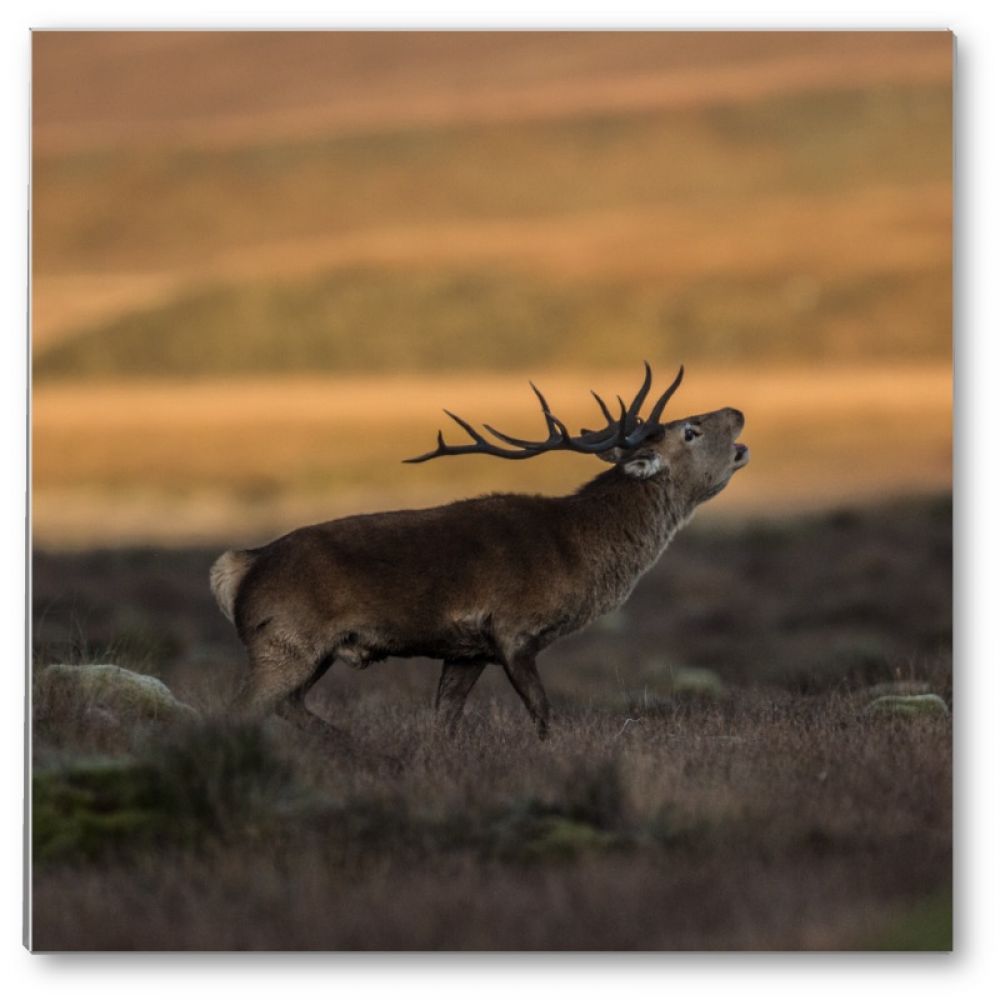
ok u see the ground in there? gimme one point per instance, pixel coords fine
(713, 780)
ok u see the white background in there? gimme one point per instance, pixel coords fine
(974, 964)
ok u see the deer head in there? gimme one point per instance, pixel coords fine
(697, 454)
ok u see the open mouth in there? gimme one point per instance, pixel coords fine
(741, 455)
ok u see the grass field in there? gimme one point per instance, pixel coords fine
(758, 806)
(767, 822)
(557, 200)
(270, 247)
(239, 461)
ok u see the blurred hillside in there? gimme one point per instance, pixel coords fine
(263, 262)
(221, 203)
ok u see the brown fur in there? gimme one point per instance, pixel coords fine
(490, 580)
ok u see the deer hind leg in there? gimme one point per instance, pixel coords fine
(278, 680)
(457, 680)
(523, 675)
(293, 708)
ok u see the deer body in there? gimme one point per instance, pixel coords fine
(490, 580)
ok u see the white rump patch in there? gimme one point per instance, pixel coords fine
(225, 577)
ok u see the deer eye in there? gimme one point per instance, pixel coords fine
(690, 433)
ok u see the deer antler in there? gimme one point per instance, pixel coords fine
(627, 431)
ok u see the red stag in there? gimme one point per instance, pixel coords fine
(494, 579)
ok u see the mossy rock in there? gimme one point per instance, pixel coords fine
(673, 680)
(924, 926)
(614, 622)
(556, 838)
(905, 706)
(539, 839)
(899, 688)
(588, 816)
(108, 692)
(696, 680)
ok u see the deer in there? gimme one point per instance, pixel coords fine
(489, 580)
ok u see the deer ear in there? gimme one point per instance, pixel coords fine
(643, 464)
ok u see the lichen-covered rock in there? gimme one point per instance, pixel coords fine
(907, 705)
(106, 692)
(556, 838)
(897, 688)
(671, 679)
(696, 680)
(663, 686)
(614, 622)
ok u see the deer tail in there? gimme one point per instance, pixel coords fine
(226, 576)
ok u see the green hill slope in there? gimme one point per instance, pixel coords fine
(376, 320)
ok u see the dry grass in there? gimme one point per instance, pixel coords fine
(663, 158)
(765, 811)
(182, 461)
(768, 821)
(765, 820)
(796, 246)
(239, 88)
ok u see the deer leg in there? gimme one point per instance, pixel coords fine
(293, 708)
(523, 674)
(457, 680)
(279, 678)
(271, 678)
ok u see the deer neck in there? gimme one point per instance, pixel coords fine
(628, 522)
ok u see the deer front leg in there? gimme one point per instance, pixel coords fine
(523, 674)
(457, 680)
